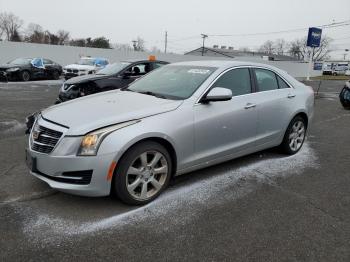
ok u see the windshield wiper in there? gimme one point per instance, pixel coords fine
(150, 93)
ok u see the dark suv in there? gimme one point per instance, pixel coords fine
(113, 76)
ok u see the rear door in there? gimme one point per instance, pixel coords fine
(49, 66)
(226, 127)
(274, 101)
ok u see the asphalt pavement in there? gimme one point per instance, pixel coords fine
(262, 207)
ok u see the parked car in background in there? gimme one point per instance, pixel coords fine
(327, 69)
(344, 96)
(113, 76)
(26, 69)
(85, 66)
(335, 68)
(176, 119)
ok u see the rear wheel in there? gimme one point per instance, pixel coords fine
(25, 76)
(295, 136)
(142, 173)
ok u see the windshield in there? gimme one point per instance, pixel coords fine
(113, 69)
(86, 62)
(174, 82)
(21, 61)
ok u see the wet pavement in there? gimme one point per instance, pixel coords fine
(262, 207)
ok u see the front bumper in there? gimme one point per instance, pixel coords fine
(52, 169)
(68, 75)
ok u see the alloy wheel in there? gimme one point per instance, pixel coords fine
(297, 136)
(147, 175)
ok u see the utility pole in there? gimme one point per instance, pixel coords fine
(166, 41)
(345, 54)
(204, 36)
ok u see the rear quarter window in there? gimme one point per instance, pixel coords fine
(282, 83)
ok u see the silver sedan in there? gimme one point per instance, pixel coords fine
(179, 118)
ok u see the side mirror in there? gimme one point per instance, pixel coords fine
(217, 94)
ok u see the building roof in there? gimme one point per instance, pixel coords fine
(232, 53)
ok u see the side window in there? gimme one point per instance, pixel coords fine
(266, 80)
(47, 62)
(237, 80)
(141, 69)
(282, 83)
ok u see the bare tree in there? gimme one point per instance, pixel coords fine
(34, 34)
(10, 25)
(295, 49)
(63, 37)
(139, 44)
(280, 46)
(123, 47)
(299, 49)
(267, 47)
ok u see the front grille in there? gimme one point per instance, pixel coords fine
(44, 139)
(75, 70)
(69, 70)
(76, 177)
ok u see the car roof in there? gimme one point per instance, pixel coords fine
(93, 58)
(143, 61)
(221, 63)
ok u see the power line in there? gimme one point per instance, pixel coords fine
(332, 25)
(183, 38)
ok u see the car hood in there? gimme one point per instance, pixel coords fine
(84, 78)
(7, 66)
(79, 67)
(92, 112)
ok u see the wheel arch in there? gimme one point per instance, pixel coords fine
(169, 146)
(304, 116)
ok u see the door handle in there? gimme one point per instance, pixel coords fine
(249, 105)
(291, 96)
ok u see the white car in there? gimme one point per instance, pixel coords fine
(347, 72)
(85, 66)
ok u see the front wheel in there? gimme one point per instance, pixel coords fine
(142, 173)
(25, 76)
(294, 137)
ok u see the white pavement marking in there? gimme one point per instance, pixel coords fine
(180, 204)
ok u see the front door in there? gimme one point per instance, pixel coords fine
(227, 127)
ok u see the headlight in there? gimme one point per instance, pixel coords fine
(92, 141)
(13, 69)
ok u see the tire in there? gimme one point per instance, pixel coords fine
(344, 97)
(25, 76)
(294, 137)
(55, 75)
(137, 180)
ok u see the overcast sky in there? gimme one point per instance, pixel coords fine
(185, 20)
